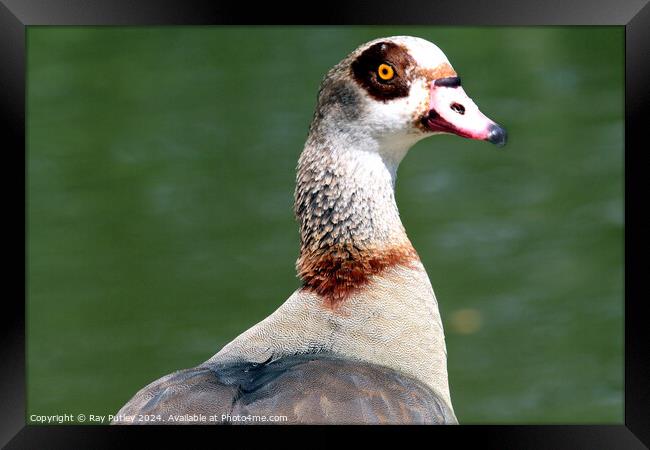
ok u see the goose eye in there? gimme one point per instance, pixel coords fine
(385, 72)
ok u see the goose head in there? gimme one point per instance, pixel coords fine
(396, 91)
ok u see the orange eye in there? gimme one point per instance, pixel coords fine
(385, 72)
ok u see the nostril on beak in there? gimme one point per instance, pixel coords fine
(457, 107)
(497, 135)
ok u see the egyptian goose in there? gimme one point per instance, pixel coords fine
(361, 341)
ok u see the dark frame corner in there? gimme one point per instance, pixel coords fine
(634, 15)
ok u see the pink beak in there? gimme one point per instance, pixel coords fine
(452, 111)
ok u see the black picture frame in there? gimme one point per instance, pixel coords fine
(633, 15)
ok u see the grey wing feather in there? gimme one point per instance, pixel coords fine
(314, 388)
(186, 392)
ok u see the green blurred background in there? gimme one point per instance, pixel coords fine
(160, 181)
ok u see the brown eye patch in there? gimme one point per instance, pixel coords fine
(365, 70)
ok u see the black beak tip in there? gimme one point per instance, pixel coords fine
(497, 135)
